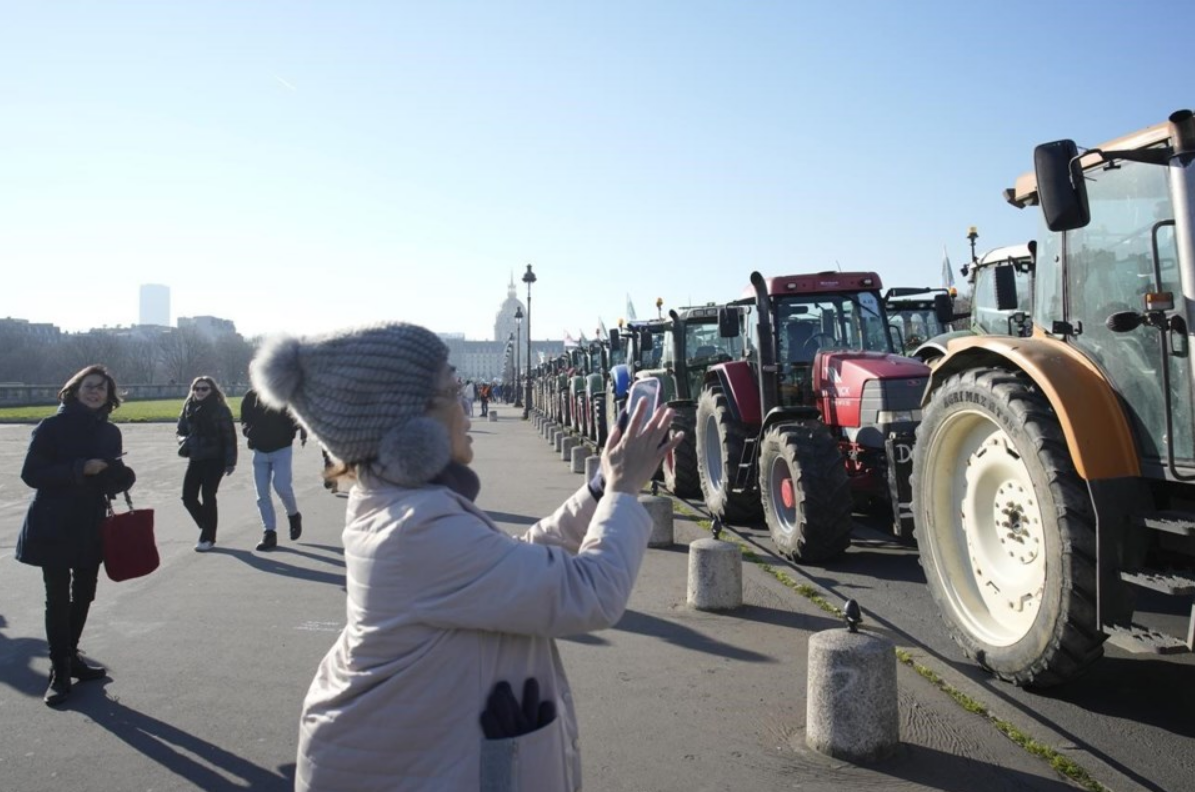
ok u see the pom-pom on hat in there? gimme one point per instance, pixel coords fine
(364, 394)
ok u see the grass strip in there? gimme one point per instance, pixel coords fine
(148, 411)
(1061, 764)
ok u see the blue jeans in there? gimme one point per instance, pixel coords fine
(274, 465)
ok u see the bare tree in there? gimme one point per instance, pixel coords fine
(185, 354)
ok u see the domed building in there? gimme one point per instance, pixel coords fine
(494, 360)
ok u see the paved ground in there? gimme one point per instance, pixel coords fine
(210, 657)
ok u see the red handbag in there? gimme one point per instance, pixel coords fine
(129, 547)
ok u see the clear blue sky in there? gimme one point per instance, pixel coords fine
(304, 166)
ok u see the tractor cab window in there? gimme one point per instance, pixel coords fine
(809, 323)
(704, 345)
(987, 318)
(1110, 267)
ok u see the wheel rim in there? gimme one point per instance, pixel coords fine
(713, 453)
(991, 549)
(780, 490)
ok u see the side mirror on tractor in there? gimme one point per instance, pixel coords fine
(1005, 280)
(1061, 189)
(728, 323)
(944, 309)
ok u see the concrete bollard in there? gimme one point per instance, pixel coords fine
(566, 448)
(557, 439)
(580, 454)
(493, 416)
(851, 704)
(660, 509)
(592, 465)
(546, 429)
(715, 575)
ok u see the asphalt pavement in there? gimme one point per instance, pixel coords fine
(210, 656)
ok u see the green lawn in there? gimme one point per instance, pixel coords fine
(130, 412)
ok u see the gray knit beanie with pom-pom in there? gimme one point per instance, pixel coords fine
(364, 394)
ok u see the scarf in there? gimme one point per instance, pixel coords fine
(460, 479)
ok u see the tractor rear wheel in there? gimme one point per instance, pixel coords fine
(1005, 529)
(720, 441)
(680, 465)
(805, 492)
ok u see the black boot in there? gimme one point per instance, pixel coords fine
(296, 525)
(83, 671)
(60, 683)
(269, 540)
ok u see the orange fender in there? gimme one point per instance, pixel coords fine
(1096, 428)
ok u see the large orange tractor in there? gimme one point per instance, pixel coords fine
(1054, 474)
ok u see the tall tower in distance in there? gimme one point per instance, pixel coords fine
(155, 305)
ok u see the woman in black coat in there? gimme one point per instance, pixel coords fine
(74, 463)
(208, 438)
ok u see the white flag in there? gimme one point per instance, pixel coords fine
(947, 272)
(569, 341)
(630, 309)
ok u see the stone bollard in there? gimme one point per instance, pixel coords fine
(660, 509)
(580, 454)
(555, 438)
(592, 465)
(546, 429)
(493, 415)
(851, 708)
(715, 575)
(566, 448)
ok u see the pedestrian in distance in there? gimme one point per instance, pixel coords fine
(271, 436)
(483, 395)
(75, 463)
(449, 617)
(208, 439)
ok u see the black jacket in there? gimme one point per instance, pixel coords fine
(62, 526)
(209, 431)
(267, 430)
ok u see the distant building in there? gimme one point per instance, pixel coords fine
(155, 305)
(211, 327)
(36, 330)
(505, 324)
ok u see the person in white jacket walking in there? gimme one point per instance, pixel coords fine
(449, 619)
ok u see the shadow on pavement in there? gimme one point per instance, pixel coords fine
(173, 748)
(270, 562)
(934, 769)
(17, 659)
(679, 635)
(1154, 692)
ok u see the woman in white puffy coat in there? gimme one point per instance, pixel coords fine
(443, 606)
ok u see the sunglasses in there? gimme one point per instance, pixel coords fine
(201, 388)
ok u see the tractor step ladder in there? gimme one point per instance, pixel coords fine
(1167, 522)
(742, 476)
(1135, 638)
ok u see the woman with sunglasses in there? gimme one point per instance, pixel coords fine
(206, 437)
(74, 463)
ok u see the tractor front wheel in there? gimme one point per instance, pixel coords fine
(720, 441)
(805, 492)
(1005, 529)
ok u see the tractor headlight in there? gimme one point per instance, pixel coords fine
(899, 416)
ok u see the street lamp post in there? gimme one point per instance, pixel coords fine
(518, 341)
(528, 278)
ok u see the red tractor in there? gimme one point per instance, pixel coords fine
(818, 417)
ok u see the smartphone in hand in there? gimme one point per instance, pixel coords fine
(645, 388)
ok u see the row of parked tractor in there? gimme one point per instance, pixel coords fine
(1043, 456)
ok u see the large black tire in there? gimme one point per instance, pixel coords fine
(1005, 529)
(680, 466)
(805, 492)
(720, 440)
